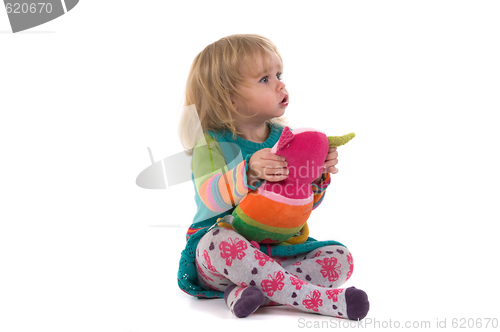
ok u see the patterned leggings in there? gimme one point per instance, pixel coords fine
(308, 282)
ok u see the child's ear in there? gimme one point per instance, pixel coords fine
(285, 138)
(235, 98)
(335, 141)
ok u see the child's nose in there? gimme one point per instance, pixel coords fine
(280, 86)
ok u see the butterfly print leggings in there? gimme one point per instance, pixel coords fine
(308, 281)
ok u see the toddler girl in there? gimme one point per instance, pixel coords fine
(235, 85)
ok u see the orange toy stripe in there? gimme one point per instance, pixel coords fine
(275, 214)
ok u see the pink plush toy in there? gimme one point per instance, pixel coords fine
(278, 211)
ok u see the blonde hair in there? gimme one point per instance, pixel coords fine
(212, 81)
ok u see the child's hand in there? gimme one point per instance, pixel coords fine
(330, 162)
(266, 166)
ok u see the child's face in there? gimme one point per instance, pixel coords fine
(263, 94)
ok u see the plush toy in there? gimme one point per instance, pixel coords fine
(277, 212)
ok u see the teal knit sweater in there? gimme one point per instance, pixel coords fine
(212, 205)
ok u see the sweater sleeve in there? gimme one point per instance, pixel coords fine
(319, 190)
(219, 187)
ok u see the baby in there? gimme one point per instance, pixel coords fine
(235, 84)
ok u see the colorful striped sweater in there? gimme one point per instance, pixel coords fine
(219, 175)
(219, 170)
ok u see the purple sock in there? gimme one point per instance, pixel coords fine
(357, 303)
(243, 301)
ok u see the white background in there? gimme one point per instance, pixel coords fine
(82, 248)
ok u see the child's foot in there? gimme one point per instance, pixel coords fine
(357, 303)
(243, 301)
(348, 303)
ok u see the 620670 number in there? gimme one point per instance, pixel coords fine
(463, 323)
(24, 8)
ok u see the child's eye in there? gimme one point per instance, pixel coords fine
(265, 79)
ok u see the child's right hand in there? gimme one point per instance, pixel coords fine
(266, 166)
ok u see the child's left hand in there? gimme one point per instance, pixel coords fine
(330, 162)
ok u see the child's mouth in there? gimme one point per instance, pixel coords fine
(284, 102)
